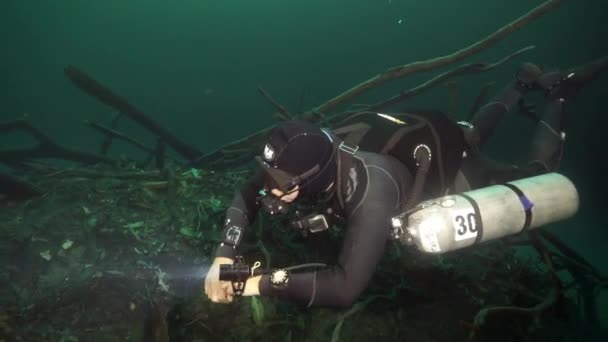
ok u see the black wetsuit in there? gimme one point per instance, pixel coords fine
(374, 191)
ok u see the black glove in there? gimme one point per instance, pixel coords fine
(558, 85)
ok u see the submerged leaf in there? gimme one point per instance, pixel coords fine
(46, 255)
(257, 311)
(186, 231)
(134, 225)
(67, 244)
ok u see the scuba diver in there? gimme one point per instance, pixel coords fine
(363, 183)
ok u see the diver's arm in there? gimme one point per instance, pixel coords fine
(363, 246)
(241, 213)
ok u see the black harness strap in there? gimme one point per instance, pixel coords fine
(345, 162)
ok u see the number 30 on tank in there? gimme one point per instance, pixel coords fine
(465, 225)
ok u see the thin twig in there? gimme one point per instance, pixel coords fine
(46, 148)
(534, 312)
(109, 132)
(105, 145)
(99, 91)
(483, 314)
(356, 308)
(283, 113)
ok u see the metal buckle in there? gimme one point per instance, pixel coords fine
(396, 233)
(348, 149)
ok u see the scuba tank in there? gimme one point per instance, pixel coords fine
(461, 220)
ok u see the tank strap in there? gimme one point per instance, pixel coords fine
(525, 201)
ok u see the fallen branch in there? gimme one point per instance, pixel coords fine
(567, 251)
(316, 114)
(534, 312)
(243, 145)
(111, 133)
(105, 145)
(105, 95)
(587, 287)
(282, 113)
(335, 337)
(431, 64)
(246, 147)
(160, 154)
(510, 311)
(473, 68)
(46, 147)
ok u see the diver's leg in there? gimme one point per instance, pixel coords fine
(544, 156)
(484, 122)
(560, 87)
(547, 144)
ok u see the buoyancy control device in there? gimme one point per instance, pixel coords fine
(410, 137)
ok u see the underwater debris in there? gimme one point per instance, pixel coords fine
(67, 244)
(46, 255)
(111, 266)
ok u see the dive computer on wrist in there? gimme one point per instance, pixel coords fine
(279, 279)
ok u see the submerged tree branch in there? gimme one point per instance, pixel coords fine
(472, 68)
(510, 311)
(97, 90)
(431, 64)
(246, 145)
(552, 299)
(282, 113)
(46, 148)
(105, 145)
(109, 132)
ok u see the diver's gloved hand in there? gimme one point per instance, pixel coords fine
(218, 291)
(565, 85)
(560, 85)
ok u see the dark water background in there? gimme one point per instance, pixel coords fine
(195, 65)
